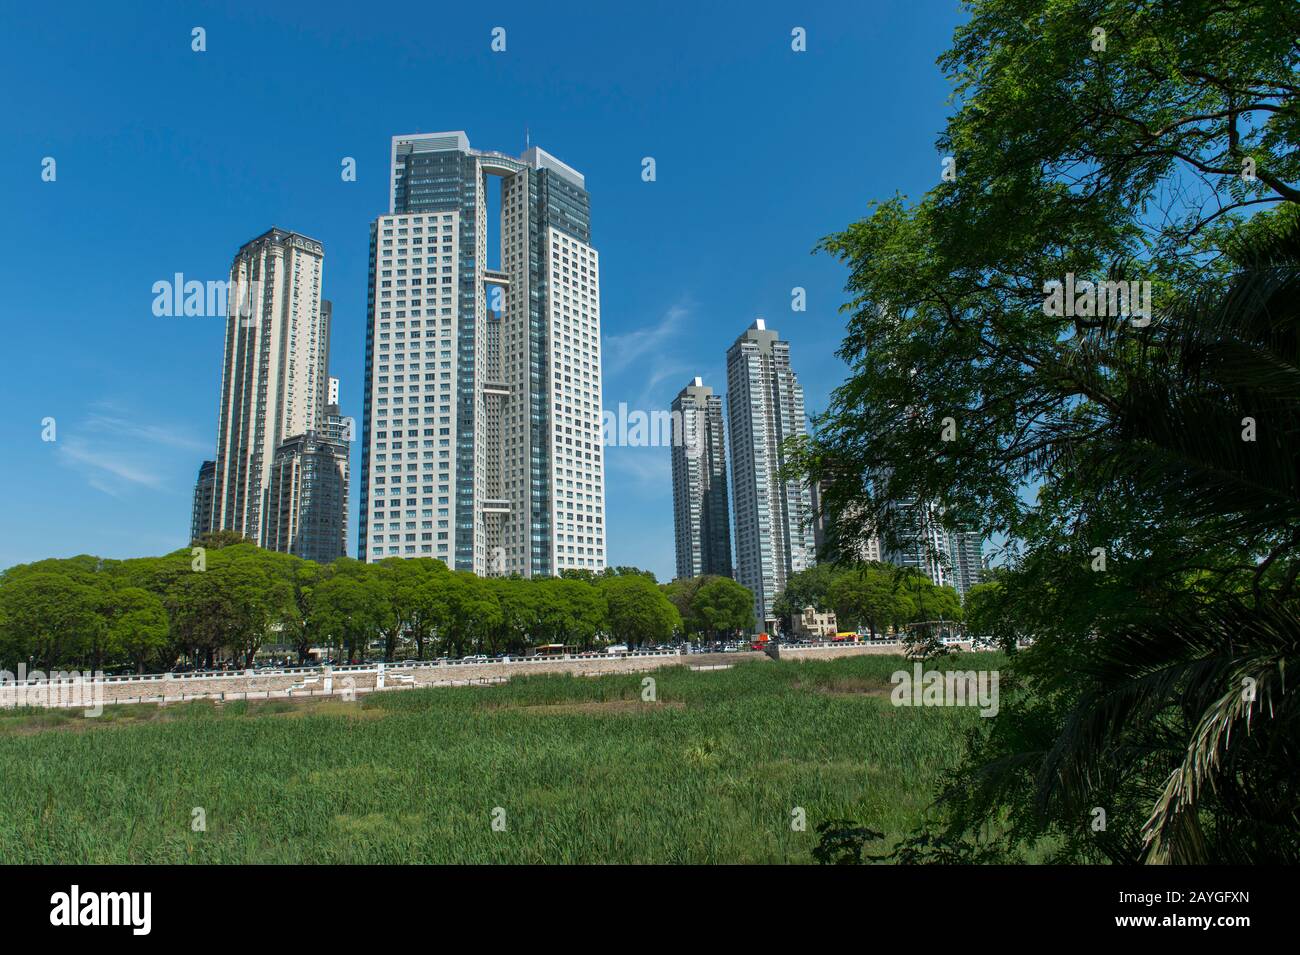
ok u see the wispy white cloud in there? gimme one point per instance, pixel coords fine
(120, 427)
(117, 452)
(650, 466)
(647, 367)
(99, 463)
(648, 343)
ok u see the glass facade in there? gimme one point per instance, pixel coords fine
(503, 499)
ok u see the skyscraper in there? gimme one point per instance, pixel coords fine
(201, 517)
(273, 383)
(481, 442)
(924, 542)
(950, 558)
(306, 513)
(966, 556)
(774, 532)
(869, 550)
(700, 517)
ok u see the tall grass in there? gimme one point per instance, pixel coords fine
(584, 771)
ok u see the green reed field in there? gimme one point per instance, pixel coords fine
(584, 770)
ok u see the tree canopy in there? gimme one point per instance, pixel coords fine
(1143, 463)
(230, 600)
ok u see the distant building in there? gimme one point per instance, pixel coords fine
(335, 427)
(923, 542)
(870, 550)
(949, 558)
(773, 516)
(966, 556)
(281, 474)
(201, 517)
(306, 511)
(273, 379)
(812, 624)
(701, 519)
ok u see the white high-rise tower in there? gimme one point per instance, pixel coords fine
(273, 383)
(773, 517)
(482, 434)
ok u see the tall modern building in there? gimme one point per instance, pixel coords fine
(273, 384)
(870, 549)
(773, 516)
(482, 423)
(966, 557)
(201, 517)
(306, 513)
(925, 544)
(950, 558)
(701, 521)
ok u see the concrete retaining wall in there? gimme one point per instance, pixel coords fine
(320, 681)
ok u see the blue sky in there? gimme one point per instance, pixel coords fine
(168, 160)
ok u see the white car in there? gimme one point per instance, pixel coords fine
(617, 648)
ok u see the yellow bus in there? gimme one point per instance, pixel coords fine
(553, 650)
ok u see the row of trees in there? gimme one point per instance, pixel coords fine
(869, 595)
(228, 599)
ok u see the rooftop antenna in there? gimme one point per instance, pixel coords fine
(527, 139)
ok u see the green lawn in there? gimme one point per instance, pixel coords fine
(583, 769)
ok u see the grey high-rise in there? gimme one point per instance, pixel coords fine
(482, 430)
(774, 526)
(701, 522)
(201, 516)
(923, 542)
(306, 512)
(966, 556)
(950, 558)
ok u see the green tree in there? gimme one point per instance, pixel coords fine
(137, 624)
(50, 618)
(473, 613)
(723, 606)
(681, 594)
(637, 611)
(392, 579)
(864, 594)
(303, 577)
(521, 611)
(810, 587)
(233, 606)
(347, 611)
(1153, 555)
(425, 599)
(568, 611)
(215, 540)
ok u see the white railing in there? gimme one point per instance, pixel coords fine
(446, 664)
(316, 669)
